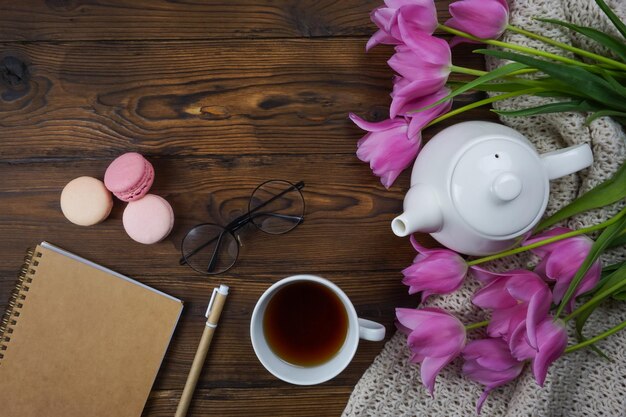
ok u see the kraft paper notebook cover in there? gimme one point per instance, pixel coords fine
(79, 340)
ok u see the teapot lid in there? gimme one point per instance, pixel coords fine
(499, 187)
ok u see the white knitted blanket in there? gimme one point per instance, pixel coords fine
(580, 383)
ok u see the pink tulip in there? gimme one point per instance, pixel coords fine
(386, 147)
(435, 338)
(405, 91)
(419, 119)
(485, 19)
(551, 344)
(519, 299)
(401, 17)
(562, 259)
(423, 57)
(434, 271)
(489, 362)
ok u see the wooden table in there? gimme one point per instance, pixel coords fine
(220, 96)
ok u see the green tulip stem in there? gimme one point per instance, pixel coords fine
(549, 240)
(468, 71)
(484, 102)
(595, 299)
(478, 73)
(519, 48)
(611, 62)
(596, 338)
(476, 325)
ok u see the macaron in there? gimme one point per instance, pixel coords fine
(85, 201)
(129, 177)
(149, 219)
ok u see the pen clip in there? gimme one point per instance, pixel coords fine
(208, 309)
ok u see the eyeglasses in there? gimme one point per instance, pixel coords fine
(275, 207)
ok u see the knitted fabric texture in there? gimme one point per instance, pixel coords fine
(580, 383)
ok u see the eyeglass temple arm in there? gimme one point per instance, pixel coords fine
(246, 218)
(297, 219)
(211, 266)
(183, 259)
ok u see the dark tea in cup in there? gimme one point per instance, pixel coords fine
(304, 330)
(305, 323)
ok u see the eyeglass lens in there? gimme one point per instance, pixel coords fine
(210, 249)
(276, 215)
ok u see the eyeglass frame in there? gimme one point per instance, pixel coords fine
(240, 221)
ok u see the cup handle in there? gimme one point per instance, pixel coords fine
(370, 330)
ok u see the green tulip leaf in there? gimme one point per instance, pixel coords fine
(556, 94)
(613, 17)
(609, 269)
(553, 84)
(580, 80)
(610, 191)
(619, 241)
(581, 338)
(554, 88)
(620, 89)
(603, 113)
(601, 243)
(613, 44)
(620, 296)
(615, 277)
(580, 320)
(579, 105)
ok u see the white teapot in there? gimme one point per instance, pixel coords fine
(478, 187)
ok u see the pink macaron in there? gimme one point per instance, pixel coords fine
(149, 219)
(129, 177)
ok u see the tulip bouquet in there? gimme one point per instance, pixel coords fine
(529, 309)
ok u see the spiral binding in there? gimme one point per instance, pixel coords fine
(16, 300)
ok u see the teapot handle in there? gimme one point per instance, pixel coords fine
(567, 161)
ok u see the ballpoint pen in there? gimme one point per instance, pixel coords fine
(212, 314)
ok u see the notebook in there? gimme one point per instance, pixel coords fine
(79, 340)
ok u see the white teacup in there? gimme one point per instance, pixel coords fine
(309, 375)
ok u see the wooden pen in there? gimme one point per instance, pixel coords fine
(213, 315)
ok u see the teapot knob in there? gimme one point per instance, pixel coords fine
(507, 186)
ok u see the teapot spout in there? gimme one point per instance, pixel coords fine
(567, 161)
(422, 212)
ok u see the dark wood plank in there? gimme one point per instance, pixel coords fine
(191, 98)
(30, 20)
(340, 210)
(299, 402)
